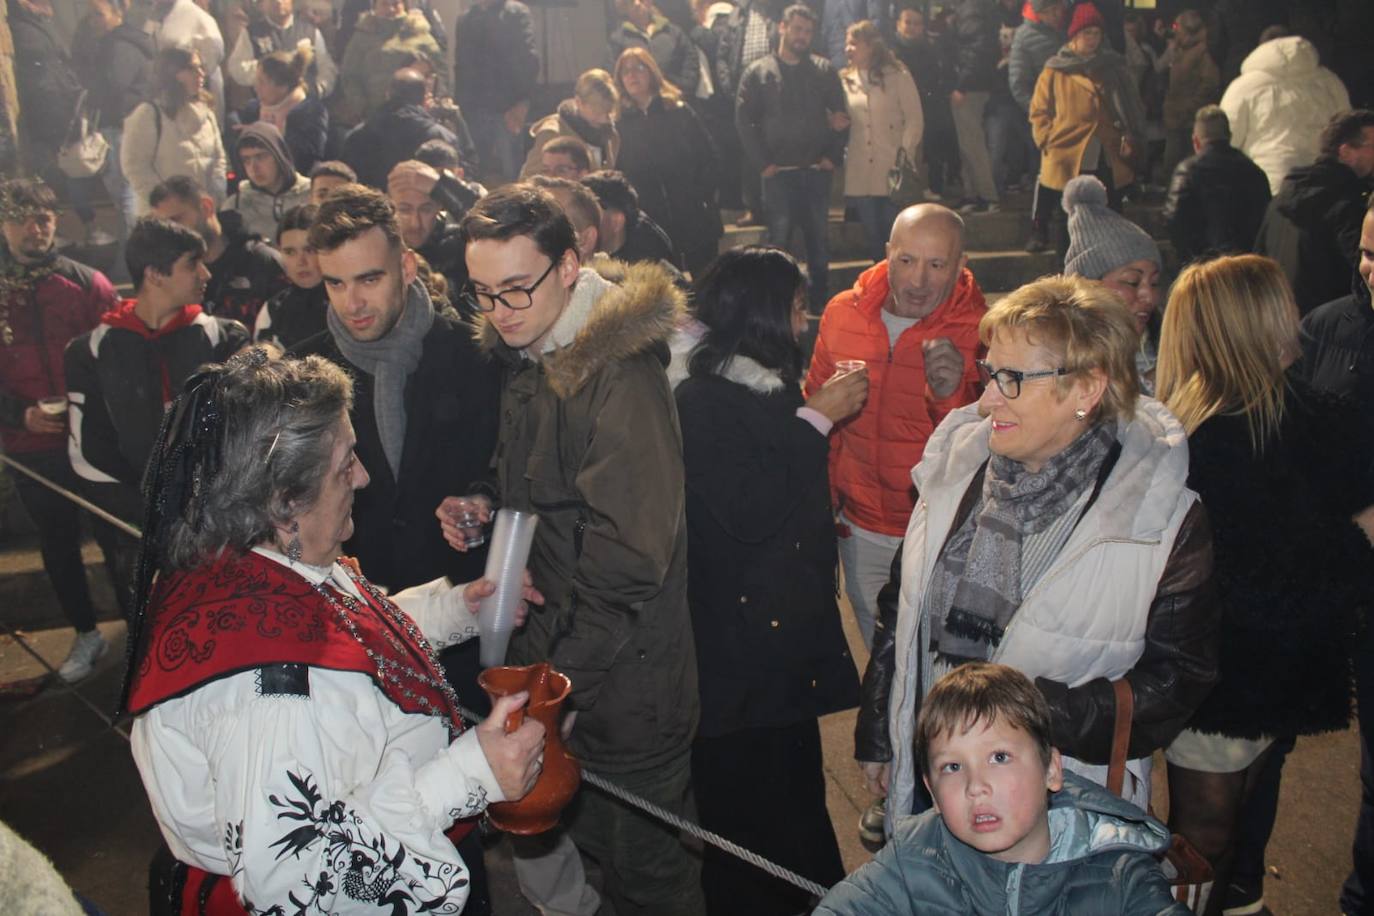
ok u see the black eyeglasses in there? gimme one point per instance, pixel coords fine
(516, 298)
(1009, 380)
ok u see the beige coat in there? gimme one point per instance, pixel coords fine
(882, 120)
(1066, 110)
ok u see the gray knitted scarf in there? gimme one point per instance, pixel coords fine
(976, 586)
(390, 361)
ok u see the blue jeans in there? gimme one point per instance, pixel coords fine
(1010, 146)
(501, 152)
(876, 215)
(801, 197)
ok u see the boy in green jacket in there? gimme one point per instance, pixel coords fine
(1010, 831)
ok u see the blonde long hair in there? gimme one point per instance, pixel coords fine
(1230, 329)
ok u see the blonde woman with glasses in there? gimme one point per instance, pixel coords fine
(1277, 466)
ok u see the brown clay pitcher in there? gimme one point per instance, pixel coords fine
(538, 811)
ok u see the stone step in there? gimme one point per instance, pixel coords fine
(27, 596)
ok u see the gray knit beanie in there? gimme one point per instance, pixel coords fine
(1100, 239)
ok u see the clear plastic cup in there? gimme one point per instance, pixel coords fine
(54, 406)
(509, 554)
(848, 366)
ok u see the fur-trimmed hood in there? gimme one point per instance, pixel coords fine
(617, 310)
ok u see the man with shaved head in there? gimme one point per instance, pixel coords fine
(913, 319)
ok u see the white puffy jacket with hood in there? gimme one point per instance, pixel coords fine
(1279, 105)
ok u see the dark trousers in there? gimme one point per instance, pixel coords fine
(801, 198)
(1047, 212)
(1357, 896)
(876, 215)
(764, 788)
(59, 536)
(1257, 816)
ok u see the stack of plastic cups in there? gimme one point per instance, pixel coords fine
(507, 557)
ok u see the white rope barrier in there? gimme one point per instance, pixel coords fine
(593, 779)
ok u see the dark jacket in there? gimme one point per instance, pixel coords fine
(1031, 47)
(729, 30)
(1293, 572)
(40, 318)
(446, 253)
(1216, 203)
(121, 376)
(119, 74)
(48, 86)
(761, 554)
(307, 130)
(931, 63)
(646, 242)
(1338, 351)
(589, 440)
(669, 46)
(247, 273)
(450, 401)
(389, 137)
(496, 62)
(1102, 860)
(1312, 229)
(977, 47)
(780, 112)
(671, 161)
(291, 316)
(1173, 674)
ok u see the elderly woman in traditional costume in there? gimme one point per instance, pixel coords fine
(297, 739)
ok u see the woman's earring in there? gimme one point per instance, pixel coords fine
(1080, 414)
(293, 546)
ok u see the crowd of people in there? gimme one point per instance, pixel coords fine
(420, 298)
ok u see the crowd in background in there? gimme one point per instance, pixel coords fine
(1058, 507)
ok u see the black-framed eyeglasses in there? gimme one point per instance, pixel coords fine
(1009, 380)
(517, 298)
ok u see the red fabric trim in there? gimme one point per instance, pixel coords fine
(122, 316)
(241, 611)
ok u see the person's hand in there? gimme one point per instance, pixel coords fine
(452, 510)
(769, 170)
(1127, 148)
(839, 120)
(238, 19)
(841, 396)
(36, 421)
(944, 366)
(825, 165)
(516, 759)
(956, 98)
(566, 726)
(875, 776)
(474, 592)
(411, 175)
(515, 117)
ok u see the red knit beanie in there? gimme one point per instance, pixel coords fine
(1085, 16)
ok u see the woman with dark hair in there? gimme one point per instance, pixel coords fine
(668, 157)
(1283, 470)
(771, 655)
(284, 101)
(175, 132)
(296, 736)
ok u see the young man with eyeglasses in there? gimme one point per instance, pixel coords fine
(913, 319)
(589, 440)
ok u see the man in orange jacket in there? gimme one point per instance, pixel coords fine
(914, 320)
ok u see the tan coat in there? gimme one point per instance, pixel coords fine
(882, 120)
(1066, 110)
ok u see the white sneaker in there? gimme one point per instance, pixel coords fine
(88, 649)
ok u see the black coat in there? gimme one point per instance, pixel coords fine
(496, 64)
(1338, 353)
(1216, 203)
(391, 136)
(667, 156)
(1312, 229)
(1291, 570)
(48, 86)
(977, 47)
(451, 408)
(670, 48)
(761, 559)
(119, 74)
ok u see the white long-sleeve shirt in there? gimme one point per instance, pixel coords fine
(329, 802)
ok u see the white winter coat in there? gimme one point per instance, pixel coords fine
(1085, 618)
(882, 120)
(186, 25)
(189, 144)
(1279, 105)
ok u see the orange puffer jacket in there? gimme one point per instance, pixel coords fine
(872, 453)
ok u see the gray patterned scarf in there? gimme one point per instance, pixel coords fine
(976, 586)
(390, 361)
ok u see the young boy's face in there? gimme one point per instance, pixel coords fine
(991, 787)
(261, 167)
(302, 266)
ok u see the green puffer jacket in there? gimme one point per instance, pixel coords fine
(590, 441)
(1101, 861)
(378, 48)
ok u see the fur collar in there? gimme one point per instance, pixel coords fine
(639, 308)
(752, 375)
